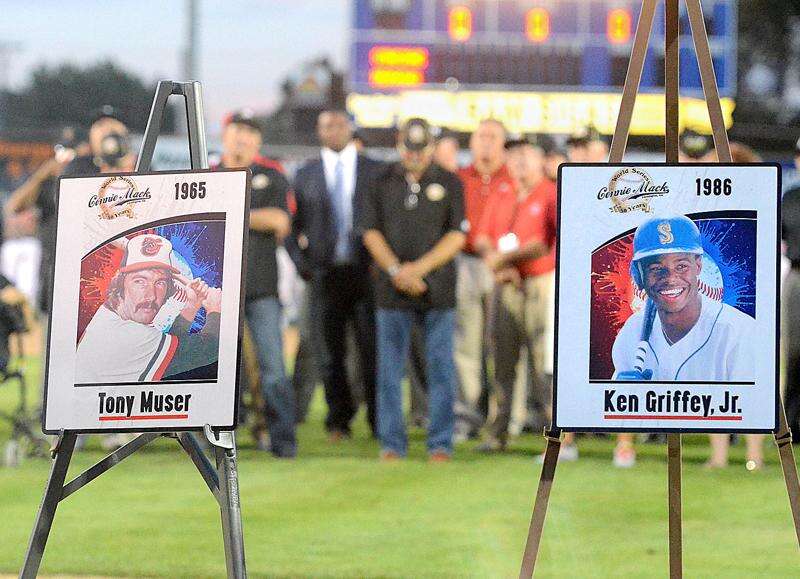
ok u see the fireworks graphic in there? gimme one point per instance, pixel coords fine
(728, 274)
(198, 247)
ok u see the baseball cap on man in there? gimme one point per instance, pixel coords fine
(148, 251)
(105, 112)
(583, 136)
(521, 139)
(661, 235)
(243, 117)
(693, 144)
(416, 134)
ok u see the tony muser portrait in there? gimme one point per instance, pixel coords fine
(143, 330)
(681, 333)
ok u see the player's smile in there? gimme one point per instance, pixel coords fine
(671, 295)
(671, 280)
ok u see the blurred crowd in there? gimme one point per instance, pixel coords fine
(365, 273)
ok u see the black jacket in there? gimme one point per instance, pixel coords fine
(313, 240)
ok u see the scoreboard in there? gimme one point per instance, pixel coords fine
(455, 60)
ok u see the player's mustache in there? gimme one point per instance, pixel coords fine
(149, 305)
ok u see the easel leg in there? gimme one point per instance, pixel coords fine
(783, 438)
(229, 506)
(47, 509)
(675, 515)
(671, 138)
(540, 505)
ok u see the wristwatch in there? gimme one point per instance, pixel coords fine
(393, 270)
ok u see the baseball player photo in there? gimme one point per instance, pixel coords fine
(155, 321)
(680, 333)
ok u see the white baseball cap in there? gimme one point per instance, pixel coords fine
(148, 251)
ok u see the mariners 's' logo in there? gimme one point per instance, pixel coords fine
(632, 189)
(665, 233)
(151, 246)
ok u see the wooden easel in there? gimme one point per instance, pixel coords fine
(783, 436)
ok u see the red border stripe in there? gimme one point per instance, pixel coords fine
(662, 417)
(173, 345)
(146, 417)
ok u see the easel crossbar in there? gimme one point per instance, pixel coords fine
(108, 462)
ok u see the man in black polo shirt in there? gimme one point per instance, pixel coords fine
(413, 223)
(269, 224)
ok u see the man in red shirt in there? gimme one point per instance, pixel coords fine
(485, 177)
(516, 236)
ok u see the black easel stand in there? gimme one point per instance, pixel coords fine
(222, 479)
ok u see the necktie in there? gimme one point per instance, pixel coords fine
(339, 201)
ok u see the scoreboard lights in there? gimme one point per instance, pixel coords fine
(459, 23)
(618, 27)
(414, 57)
(549, 66)
(537, 25)
(397, 66)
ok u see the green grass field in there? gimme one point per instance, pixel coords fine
(337, 512)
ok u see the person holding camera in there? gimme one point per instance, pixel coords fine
(108, 151)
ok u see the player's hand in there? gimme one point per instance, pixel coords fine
(200, 288)
(54, 166)
(508, 275)
(213, 300)
(494, 261)
(635, 375)
(23, 223)
(408, 280)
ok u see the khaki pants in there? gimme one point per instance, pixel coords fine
(523, 321)
(473, 290)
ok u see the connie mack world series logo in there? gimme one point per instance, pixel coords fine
(632, 189)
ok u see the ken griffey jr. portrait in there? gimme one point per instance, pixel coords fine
(680, 334)
(141, 331)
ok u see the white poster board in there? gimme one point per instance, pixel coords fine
(146, 315)
(667, 298)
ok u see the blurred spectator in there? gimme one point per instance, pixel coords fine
(693, 147)
(269, 224)
(330, 192)
(108, 151)
(446, 152)
(554, 155)
(586, 146)
(13, 176)
(516, 235)
(413, 223)
(790, 301)
(486, 176)
(358, 140)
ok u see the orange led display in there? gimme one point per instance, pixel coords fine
(459, 23)
(390, 77)
(415, 57)
(618, 27)
(537, 25)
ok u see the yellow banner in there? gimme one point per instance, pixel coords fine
(528, 112)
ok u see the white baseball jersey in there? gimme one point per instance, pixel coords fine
(115, 350)
(713, 350)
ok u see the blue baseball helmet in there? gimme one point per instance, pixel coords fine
(660, 235)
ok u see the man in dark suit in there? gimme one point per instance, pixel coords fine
(330, 256)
